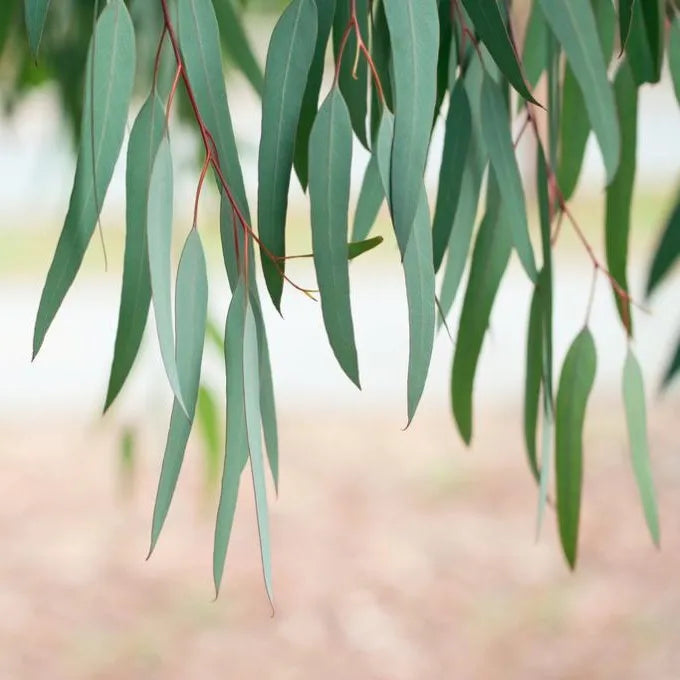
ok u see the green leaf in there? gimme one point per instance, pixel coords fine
(674, 55)
(159, 240)
(456, 144)
(36, 14)
(576, 382)
(383, 152)
(574, 121)
(625, 20)
(489, 261)
(104, 117)
(414, 38)
(573, 23)
(546, 466)
(208, 422)
(667, 252)
(447, 59)
(357, 248)
(620, 191)
(290, 54)
(330, 160)
(381, 50)
(370, 199)
(235, 42)
(135, 297)
(191, 303)
(636, 419)
(535, 54)
(498, 140)
(490, 25)
(420, 293)
(325, 12)
(644, 47)
(534, 367)
(673, 368)
(353, 86)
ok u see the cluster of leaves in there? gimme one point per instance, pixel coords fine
(397, 63)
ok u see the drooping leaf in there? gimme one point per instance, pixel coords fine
(330, 160)
(667, 252)
(456, 144)
(636, 419)
(357, 248)
(490, 25)
(236, 43)
(420, 293)
(625, 19)
(645, 44)
(573, 23)
(499, 143)
(574, 121)
(135, 297)
(674, 55)
(208, 423)
(353, 83)
(36, 14)
(325, 12)
(547, 430)
(489, 261)
(111, 70)
(620, 191)
(383, 152)
(290, 54)
(576, 382)
(534, 368)
(534, 54)
(447, 51)
(414, 38)
(191, 304)
(370, 199)
(381, 51)
(159, 239)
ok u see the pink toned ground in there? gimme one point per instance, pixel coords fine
(396, 556)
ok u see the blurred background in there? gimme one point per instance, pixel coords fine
(396, 554)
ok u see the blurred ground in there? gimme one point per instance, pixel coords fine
(396, 555)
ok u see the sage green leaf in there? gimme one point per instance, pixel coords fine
(673, 367)
(489, 261)
(576, 382)
(414, 38)
(534, 368)
(353, 86)
(490, 24)
(235, 42)
(644, 47)
(674, 55)
(381, 50)
(159, 240)
(499, 143)
(420, 293)
(625, 20)
(370, 199)
(191, 304)
(208, 423)
(330, 160)
(574, 121)
(456, 143)
(236, 448)
(290, 54)
(357, 248)
(200, 43)
(636, 420)
(573, 24)
(535, 54)
(36, 14)
(667, 252)
(251, 400)
(444, 60)
(111, 71)
(325, 10)
(383, 152)
(620, 191)
(135, 297)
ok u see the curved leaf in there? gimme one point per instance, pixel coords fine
(383, 152)
(357, 248)
(111, 70)
(159, 239)
(456, 144)
(573, 23)
(620, 191)
(532, 383)
(667, 252)
(636, 419)
(135, 296)
(489, 261)
(191, 305)
(576, 382)
(499, 144)
(370, 200)
(535, 53)
(36, 14)
(490, 25)
(644, 47)
(414, 38)
(330, 160)
(288, 60)
(325, 12)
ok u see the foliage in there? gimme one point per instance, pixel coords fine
(396, 64)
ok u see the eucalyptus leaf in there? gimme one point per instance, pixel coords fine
(36, 14)
(370, 200)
